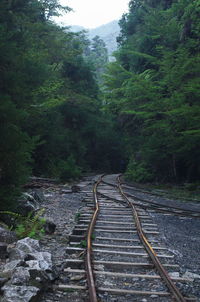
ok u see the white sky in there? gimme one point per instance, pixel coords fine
(93, 13)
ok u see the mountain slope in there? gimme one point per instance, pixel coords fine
(107, 32)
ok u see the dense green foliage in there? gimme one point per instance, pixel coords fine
(51, 121)
(153, 89)
(54, 119)
(96, 55)
(31, 225)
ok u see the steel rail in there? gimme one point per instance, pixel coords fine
(154, 208)
(155, 205)
(88, 260)
(163, 273)
(150, 192)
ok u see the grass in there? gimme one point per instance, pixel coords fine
(185, 193)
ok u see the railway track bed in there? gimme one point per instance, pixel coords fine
(122, 268)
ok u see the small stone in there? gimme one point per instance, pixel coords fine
(174, 274)
(191, 275)
(154, 296)
(107, 283)
(99, 267)
(77, 277)
(144, 300)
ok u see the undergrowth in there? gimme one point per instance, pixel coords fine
(31, 225)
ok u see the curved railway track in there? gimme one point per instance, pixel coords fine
(122, 258)
(154, 206)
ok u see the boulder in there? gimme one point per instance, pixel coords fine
(29, 271)
(28, 245)
(38, 195)
(41, 266)
(22, 248)
(26, 204)
(20, 276)
(15, 254)
(16, 293)
(10, 267)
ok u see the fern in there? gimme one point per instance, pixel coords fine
(28, 226)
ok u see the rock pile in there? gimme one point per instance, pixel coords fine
(27, 272)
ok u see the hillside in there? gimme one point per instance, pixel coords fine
(108, 32)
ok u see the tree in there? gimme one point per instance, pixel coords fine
(97, 56)
(153, 89)
(50, 110)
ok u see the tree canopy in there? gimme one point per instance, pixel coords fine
(153, 89)
(50, 110)
(65, 110)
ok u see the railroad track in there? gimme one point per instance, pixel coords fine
(116, 251)
(154, 206)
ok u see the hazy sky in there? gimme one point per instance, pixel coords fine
(93, 13)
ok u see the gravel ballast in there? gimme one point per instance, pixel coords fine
(180, 235)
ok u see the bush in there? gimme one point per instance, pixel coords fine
(27, 226)
(69, 169)
(137, 171)
(15, 154)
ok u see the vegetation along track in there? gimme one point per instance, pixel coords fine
(122, 258)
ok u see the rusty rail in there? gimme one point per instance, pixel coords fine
(89, 270)
(163, 273)
(156, 206)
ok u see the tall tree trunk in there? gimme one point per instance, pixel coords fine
(174, 166)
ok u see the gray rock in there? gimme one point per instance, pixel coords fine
(10, 266)
(77, 277)
(22, 248)
(190, 275)
(15, 254)
(27, 203)
(29, 271)
(38, 195)
(7, 236)
(41, 256)
(21, 276)
(99, 267)
(41, 266)
(37, 265)
(28, 245)
(174, 274)
(21, 293)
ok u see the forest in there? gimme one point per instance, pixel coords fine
(66, 110)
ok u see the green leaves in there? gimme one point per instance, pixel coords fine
(50, 113)
(153, 88)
